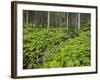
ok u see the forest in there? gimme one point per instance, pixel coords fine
(56, 39)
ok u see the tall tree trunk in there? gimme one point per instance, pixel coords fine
(60, 16)
(78, 21)
(27, 19)
(48, 20)
(36, 19)
(67, 21)
(32, 19)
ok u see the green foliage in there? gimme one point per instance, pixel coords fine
(85, 27)
(72, 52)
(55, 48)
(37, 41)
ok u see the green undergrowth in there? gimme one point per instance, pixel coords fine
(55, 48)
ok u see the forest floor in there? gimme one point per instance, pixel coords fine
(56, 48)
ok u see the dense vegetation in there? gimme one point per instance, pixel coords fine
(56, 48)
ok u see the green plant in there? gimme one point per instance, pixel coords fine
(55, 48)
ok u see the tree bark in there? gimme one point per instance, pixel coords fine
(48, 19)
(26, 18)
(67, 21)
(78, 21)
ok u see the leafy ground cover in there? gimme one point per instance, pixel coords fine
(55, 48)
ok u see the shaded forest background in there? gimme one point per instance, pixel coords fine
(47, 19)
